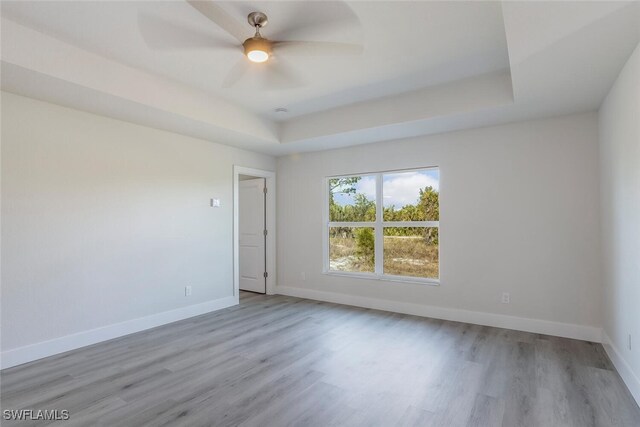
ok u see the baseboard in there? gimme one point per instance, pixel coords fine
(566, 330)
(623, 368)
(20, 355)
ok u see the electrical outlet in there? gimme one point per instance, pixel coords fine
(187, 291)
(506, 298)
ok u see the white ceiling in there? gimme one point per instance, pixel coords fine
(427, 66)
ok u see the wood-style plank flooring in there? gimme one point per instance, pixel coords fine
(282, 361)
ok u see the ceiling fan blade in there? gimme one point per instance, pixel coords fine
(275, 74)
(316, 19)
(279, 75)
(236, 73)
(221, 18)
(165, 35)
(317, 48)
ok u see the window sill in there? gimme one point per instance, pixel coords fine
(386, 278)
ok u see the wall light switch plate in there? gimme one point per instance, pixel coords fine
(215, 203)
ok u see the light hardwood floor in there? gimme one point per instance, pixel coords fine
(279, 361)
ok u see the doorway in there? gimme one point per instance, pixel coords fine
(254, 230)
(252, 225)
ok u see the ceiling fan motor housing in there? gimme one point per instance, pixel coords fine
(257, 19)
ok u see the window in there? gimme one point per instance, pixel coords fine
(384, 225)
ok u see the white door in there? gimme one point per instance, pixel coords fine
(252, 235)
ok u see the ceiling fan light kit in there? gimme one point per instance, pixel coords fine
(257, 49)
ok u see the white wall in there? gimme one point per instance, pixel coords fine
(105, 222)
(619, 128)
(519, 214)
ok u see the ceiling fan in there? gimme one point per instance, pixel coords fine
(257, 49)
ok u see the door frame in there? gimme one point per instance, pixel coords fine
(270, 245)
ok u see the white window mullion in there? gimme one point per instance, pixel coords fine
(352, 224)
(412, 224)
(379, 232)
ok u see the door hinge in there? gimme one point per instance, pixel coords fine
(265, 232)
(266, 274)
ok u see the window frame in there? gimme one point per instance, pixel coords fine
(378, 227)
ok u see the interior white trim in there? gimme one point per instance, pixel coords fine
(28, 353)
(566, 330)
(623, 368)
(270, 178)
